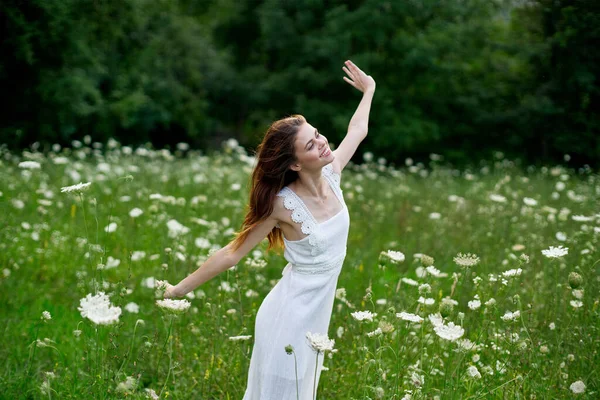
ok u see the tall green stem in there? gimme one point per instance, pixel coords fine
(315, 380)
(170, 356)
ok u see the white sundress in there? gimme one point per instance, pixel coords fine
(300, 302)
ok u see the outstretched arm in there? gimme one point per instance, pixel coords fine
(222, 260)
(359, 124)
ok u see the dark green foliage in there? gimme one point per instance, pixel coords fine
(454, 78)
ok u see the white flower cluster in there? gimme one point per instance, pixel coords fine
(466, 260)
(320, 342)
(577, 387)
(410, 282)
(449, 332)
(511, 316)
(429, 301)
(174, 306)
(135, 212)
(512, 272)
(376, 332)
(240, 338)
(363, 315)
(176, 228)
(409, 317)
(555, 252)
(80, 187)
(394, 257)
(30, 165)
(97, 308)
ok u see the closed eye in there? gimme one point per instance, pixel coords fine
(316, 136)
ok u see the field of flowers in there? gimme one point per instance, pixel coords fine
(458, 284)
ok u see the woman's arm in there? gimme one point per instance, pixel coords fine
(359, 123)
(222, 260)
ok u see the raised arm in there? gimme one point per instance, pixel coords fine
(222, 260)
(359, 124)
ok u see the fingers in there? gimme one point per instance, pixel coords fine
(346, 70)
(354, 68)
(349, 81)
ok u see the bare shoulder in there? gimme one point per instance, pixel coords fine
(279, 210)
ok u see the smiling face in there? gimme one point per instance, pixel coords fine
(311, 149)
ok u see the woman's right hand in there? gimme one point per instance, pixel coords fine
(359, 79)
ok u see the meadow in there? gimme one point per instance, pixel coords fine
(480, 283)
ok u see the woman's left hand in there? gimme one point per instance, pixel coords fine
(171, 292)
(359, 79)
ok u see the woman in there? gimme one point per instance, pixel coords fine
(296, 202)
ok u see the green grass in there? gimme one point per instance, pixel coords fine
(52, 245)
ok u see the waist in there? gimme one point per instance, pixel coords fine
(320, 268)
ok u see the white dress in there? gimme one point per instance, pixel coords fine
(300, 302)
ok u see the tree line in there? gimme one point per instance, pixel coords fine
(457, 78)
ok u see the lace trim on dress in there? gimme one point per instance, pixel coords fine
(301, 214)
(334, 179)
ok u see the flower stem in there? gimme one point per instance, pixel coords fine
(296, 369)
(315, 380)
(129, 350)
(170, 357)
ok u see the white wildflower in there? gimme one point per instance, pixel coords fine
(127, 386)
(175, 306)
(97, 308)
(497, 198)
(320, 342)
(410, 282)
(512, 272)
(435, 215)
(80, 187)
(110, 227)
(409, 317)
(576, 303)
(511, 316)
(240, 338)
(176, 229)
(577, 387)
(363, 315)
(394, 256)
(449, 332)
(581, 218)
(376, 332)
(30, 165)
(433, 271)
(473, 372)
(132, 308)
(136, 212)
(428, 301)
(436, 319)
(466, 260)
(555, 252)
(474, 304)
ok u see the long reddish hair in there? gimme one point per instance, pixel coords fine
(274, 155)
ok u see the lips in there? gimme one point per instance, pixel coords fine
(326, 152)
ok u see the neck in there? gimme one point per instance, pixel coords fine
(312, 184)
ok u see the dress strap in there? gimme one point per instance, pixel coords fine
(334, 181)
(300, 213)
